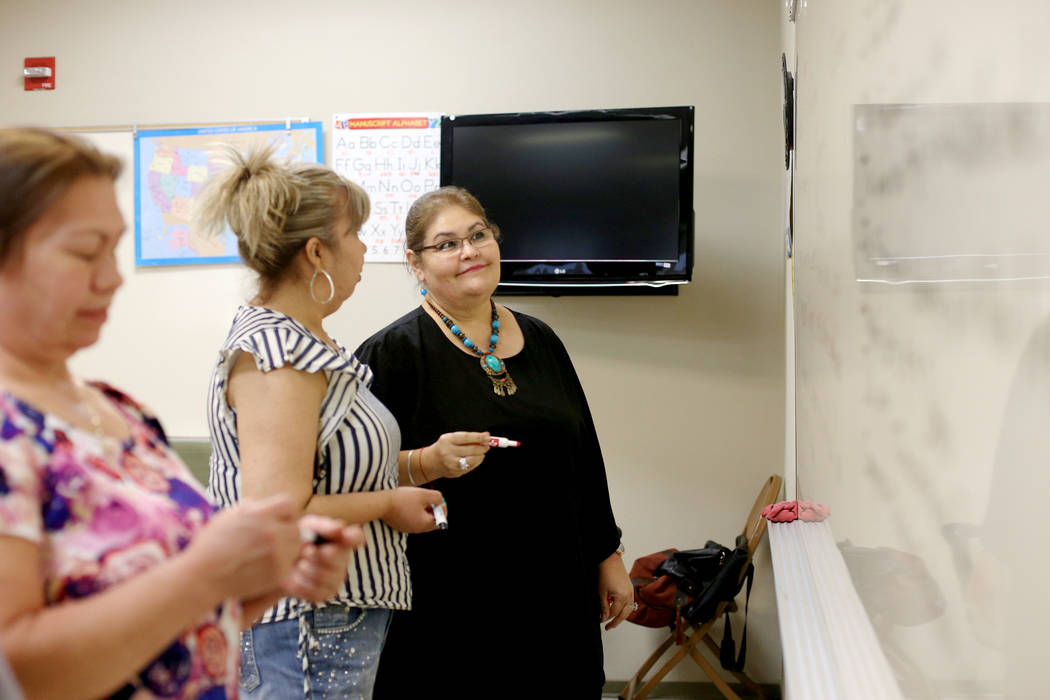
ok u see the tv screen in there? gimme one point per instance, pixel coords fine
(585, 199)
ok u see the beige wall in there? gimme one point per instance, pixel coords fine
(687, 392)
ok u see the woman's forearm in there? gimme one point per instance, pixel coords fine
(252, 610)
(88, 648)
(354, 508)
(410, 468)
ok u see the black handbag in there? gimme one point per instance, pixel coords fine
(724, 587)
(704, 578)
(693, 569)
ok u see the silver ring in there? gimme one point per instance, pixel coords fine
(463, 464)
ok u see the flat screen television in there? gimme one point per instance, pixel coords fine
(588, 201)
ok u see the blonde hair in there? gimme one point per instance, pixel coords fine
(425, 209)
(275, 207)
(37, 166)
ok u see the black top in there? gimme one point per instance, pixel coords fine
(509, 592)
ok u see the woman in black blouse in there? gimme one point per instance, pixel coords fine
(515, 588)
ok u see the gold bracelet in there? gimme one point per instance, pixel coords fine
(421, 470)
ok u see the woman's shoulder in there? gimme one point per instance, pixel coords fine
(133, 407)
(275, 339)
(252, 322)
(531, 322)
(121, 397)
(22, 419)
(535, 329)
(406, 330)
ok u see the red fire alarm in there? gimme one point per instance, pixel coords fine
(40, 73)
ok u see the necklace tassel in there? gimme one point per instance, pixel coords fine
(496, 369)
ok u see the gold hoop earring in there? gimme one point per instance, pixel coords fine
(331, 286)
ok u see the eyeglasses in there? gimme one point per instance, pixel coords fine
(453, 246)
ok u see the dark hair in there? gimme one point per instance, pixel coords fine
(425, 209)
(274, 208)
(37, 166)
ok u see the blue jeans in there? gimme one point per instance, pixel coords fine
(342, 664)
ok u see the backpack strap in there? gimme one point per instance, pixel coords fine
(728, 648)
(678, 623)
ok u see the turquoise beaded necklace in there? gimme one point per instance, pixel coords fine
(495, 368)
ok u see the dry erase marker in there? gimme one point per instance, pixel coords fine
(308, 536)
(439, 516)
(503, 442)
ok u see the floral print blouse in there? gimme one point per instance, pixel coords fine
(102, 511)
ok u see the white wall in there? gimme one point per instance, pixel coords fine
(687, 392)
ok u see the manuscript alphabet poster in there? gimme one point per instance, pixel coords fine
(396, 158)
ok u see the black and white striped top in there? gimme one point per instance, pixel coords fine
(357, 445)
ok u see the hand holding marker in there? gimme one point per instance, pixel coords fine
(440, 517)
(439, 510)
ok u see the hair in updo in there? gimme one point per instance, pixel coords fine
(275, 207)
(425, 209)
(37, 166)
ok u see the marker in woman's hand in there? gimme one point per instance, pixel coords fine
(440, 518)
(308, 536)
(503, 442)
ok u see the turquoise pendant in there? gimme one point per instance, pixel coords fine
(496, 369)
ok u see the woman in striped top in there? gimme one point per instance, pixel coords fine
(290, 411)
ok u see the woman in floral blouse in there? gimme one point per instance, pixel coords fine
(116, 577)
